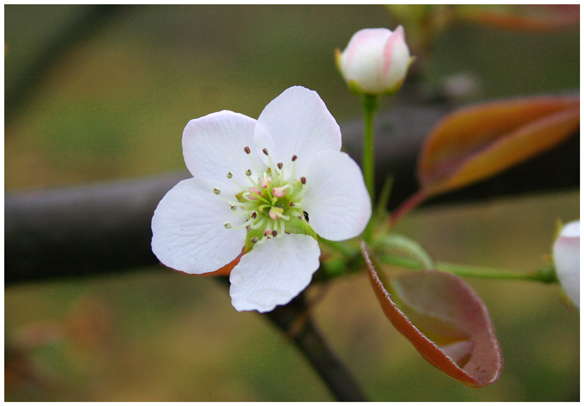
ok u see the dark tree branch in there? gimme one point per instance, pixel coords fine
(95, 229)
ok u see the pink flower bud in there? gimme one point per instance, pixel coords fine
(567, 260)
(375, 61)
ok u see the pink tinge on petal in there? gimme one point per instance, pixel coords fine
(363, 39)
(389, 49)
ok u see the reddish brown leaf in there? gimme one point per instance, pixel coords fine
(477, 142)
(444, 319)
(532, 17)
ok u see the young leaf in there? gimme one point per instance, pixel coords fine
(480, 141)
(533, 18)
(444, 319)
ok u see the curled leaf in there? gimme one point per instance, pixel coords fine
(532, 17)
(480, 141)
(444, 319)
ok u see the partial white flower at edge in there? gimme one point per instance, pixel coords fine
(269, 185)
(566, 253)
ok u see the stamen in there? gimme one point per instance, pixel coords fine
(258, 223)
(303, 180)
(265, 151)
(266, 181)
(280, 165)
(276, 213)
(229, 175)
(274, 233)
(254, 193)
(227, 225)
(294, 158)
(216, 191)
(279, 191)
(254, 240)
(247, 150)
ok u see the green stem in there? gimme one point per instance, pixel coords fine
(370, 104)
(543, 275)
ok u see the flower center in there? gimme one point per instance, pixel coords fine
(271, 202)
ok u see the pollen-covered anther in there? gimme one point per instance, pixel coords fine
(216, 191)
(303, 180)
(227, 225)
(247, 150)
(279, 191)
(276, 213)
(280, 165)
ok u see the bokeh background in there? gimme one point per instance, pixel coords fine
(114, 105)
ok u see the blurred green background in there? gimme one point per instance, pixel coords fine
(114, 106)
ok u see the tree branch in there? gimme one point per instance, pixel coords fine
(100, 228)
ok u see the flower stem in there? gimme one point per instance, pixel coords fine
(543, 275)
(370, 104)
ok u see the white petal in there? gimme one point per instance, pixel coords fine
(567, 260)
(297, 122)
(213, 145)
(188, 232)
(273, 273)
(336, 199)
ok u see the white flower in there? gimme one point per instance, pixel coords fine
(375, 61)
(567, 260)
(264, 187)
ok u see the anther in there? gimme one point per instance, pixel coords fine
(267, 232)
(254, 214)
(294, 158)
(254, 193)
(280, 165)
(254, 240)
(216, 191)
(265, 151)
(279, 191)
(303, 180)
(229, 175)
(227, 225)
(274, 233)
(266, 180)
(276, 212)
(247, 150)
(248, 172)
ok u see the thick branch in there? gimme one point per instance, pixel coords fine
(100, 228)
